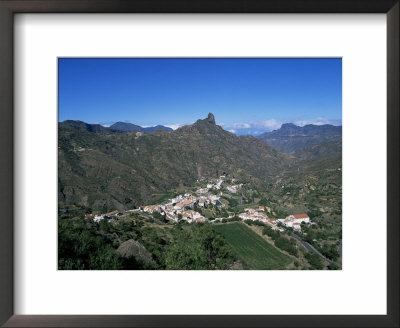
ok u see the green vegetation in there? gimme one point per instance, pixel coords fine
(284, 243)
(79, 248)
(233, 219)
(333, 266)
(253, 251)
(324, 235)
(139, 243)
(256, 223)
(315, 261)
(160, 198)
(72, 211)
(101, 172)
(126, 170)
(263, 202)
(231, 201)
(199, 248)
(292, 139)
(320, 150)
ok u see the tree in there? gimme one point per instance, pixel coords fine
(330, 251)
(267, 231)
(263, 202)
(235, 219)
(285, 244)
(333, 266)
(314, 260)
(199, 249)
(79, 248)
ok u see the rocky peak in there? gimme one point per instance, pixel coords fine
(210, 118)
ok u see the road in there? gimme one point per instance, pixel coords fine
(310, 248)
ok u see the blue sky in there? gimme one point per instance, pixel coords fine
(245, 95)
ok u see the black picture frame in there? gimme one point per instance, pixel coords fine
(10, 7)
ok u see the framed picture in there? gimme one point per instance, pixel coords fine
(152, 148)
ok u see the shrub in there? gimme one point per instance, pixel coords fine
(199, 249)
(314, 260)
(286, 245)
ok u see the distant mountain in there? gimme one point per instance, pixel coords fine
(129, 127)
(126, 127)
(155, 128)
(115, 128)
(124, 170)
(82, 126)
(290, 129)
(320, 150)
(291, 137)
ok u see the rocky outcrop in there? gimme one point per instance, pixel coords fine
(132, 248)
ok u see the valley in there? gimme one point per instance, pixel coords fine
(198, 197)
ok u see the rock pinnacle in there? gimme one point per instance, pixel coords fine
(210, 118)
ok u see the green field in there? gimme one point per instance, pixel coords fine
(251, 249)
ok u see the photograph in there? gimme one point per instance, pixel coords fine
(199, 163)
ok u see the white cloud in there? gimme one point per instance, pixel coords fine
(252, 127)
(241, 125)
(317, 121)
(271, 124)
(173, 126)
(106, 123)
(255, 128)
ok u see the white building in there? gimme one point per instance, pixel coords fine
(296, 226)
(151, 208)
(203, 202)
(299, 218)
(254, 216)
(192, 216)
(294, 221)
(183, 204)
(98, 218)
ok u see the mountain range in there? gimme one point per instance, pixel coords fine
(129, 127)
(319, 150)
(291, 138)
(124, 170)
(115, 128)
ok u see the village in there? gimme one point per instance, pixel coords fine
(189, 208)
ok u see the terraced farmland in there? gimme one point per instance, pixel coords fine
(251, 249)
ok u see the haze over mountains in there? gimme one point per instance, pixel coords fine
(290, 138)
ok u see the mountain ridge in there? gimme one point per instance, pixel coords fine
(129, 127)
(289, 137)
(118, 127)
(124, 170)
